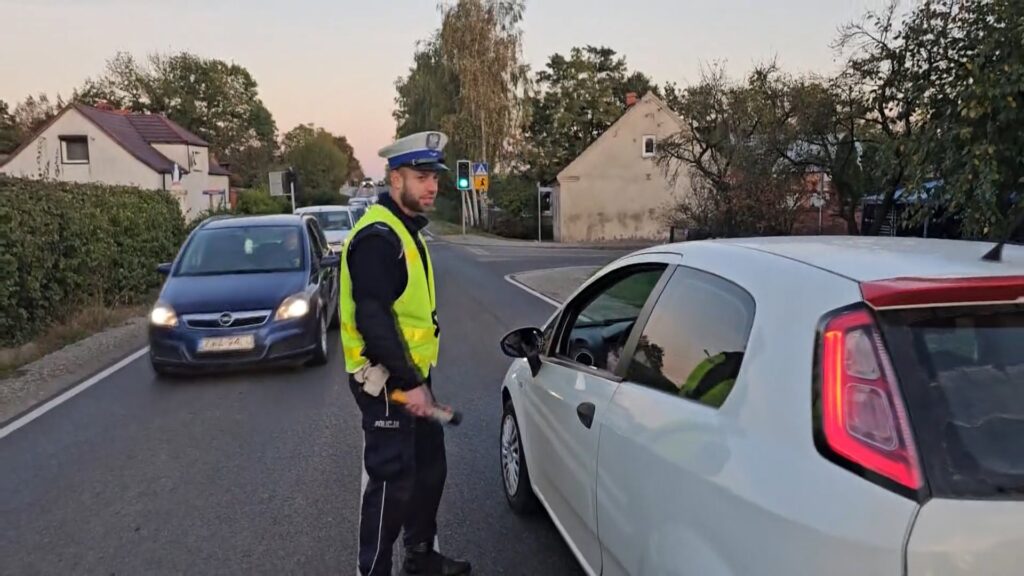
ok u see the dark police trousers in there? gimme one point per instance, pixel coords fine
(405, 461)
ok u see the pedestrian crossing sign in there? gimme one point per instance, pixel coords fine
(480, 180)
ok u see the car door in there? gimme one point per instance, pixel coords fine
(320, 276)
(663, 440)
(566, 401)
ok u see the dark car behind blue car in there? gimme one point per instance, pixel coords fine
(246, 291)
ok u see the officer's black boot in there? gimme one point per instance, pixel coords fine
(423, 560)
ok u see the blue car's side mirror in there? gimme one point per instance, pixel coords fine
(164, 268)
(330, 261)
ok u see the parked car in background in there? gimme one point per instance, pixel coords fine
(335, 221)
(362, 202)
(797, 406)
(246, 291)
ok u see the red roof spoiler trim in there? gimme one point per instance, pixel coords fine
(920, 292)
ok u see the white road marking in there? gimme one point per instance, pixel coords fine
(531, 291)
(477, 251)
(68, 394)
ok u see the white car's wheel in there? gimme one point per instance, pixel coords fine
(514, 474)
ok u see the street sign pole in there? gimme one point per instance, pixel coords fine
(540, 212)
(293, 195)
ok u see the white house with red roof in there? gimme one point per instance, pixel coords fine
(102, 145)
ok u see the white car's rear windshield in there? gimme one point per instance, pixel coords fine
(962, 372)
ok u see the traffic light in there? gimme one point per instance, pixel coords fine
(463, 175)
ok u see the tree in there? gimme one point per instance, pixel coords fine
(33, 113)
(967, 62)
(321, 165)
(578, 98)
(468, 80)
(216, 100)
(878, 71)
(9, 136)
(481, 44)
(428, 94)
(355, 170)
(729, 148)
(816, 124)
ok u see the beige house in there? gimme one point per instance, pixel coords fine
(149, 151)
(614, 190)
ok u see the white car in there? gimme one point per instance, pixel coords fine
(336, 221)
(779, 406)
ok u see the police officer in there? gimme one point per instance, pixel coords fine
(389, 327)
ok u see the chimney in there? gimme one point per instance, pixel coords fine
(630, 99)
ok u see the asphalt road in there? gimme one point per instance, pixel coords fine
(260, 473)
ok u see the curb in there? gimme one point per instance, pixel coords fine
(546, 245)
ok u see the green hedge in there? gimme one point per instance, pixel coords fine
(65, 245)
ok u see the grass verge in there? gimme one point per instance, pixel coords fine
(445, 228)
(88, 321)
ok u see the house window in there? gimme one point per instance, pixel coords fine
(649, 146)
(74, 149)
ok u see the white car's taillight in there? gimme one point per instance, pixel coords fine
(863, 417)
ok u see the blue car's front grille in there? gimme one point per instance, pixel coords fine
(226, 320)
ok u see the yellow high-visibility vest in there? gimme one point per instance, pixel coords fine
(414, 310)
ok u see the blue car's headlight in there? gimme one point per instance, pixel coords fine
(163, 315)
(294, 306)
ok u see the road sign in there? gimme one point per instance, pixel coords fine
(277, 180)
(480, 180)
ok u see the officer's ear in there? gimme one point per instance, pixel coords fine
(395, 178)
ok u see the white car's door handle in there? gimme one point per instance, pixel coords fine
(585, 411)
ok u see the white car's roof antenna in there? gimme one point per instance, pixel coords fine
(996, 253)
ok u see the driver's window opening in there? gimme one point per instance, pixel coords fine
(596, 334)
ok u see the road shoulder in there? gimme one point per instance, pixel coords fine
(49, 376)
(553, 285)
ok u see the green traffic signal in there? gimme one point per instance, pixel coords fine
(462, 174)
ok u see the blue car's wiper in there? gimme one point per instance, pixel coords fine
(230, 272)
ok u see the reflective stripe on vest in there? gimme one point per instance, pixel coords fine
(414, 309)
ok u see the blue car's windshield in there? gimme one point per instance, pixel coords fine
(243, 250)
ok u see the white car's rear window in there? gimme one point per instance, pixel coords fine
(962, 371)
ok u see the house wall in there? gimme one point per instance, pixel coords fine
(109, 163)
(220, 183)
(611, 192)
(196, 181)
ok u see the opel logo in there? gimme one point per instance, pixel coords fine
(226, 319)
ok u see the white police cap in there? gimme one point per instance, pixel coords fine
(421, 151)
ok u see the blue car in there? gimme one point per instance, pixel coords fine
(246, 291)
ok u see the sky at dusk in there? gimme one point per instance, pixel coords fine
(334, 62)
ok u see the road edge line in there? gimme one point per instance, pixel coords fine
(511, 280)
(69, 394)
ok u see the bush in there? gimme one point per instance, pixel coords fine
(515, 197)
(65, 245)
(259, 201)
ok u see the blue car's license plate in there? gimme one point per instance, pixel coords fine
(227, 343)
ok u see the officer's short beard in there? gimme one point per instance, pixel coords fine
(409, 200)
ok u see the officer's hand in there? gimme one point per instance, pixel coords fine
(419, 401)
